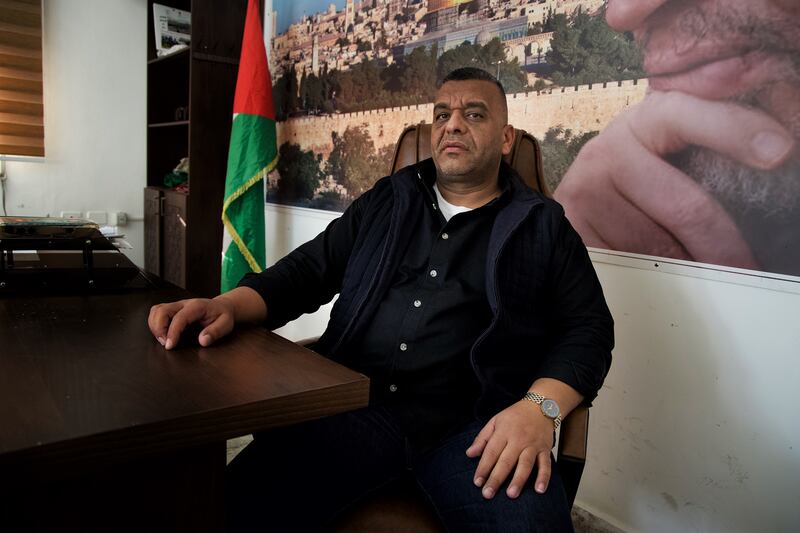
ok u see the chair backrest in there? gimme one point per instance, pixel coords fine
(414, 145)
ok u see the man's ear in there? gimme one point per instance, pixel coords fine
(509, 134)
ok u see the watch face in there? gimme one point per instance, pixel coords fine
(550, 408)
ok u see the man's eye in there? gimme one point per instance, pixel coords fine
(474, 115)
(441, 116)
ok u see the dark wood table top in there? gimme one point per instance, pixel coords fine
(82, 381)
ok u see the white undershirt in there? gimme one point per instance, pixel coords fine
(448, 209)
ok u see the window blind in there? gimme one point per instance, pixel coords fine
(21, 106)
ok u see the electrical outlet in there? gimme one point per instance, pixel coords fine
(71, 214)
(117, 218)
(98, 217)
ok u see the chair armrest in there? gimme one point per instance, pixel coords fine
(572, 445)
(574, 433)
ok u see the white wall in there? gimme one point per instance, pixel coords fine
(95, 72)
(696, 427)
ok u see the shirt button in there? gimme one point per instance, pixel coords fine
(445, 236)
(403, 347)
(417, 303)
(434, 273)
(392, 388)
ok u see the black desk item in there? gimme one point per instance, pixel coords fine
(58, 254)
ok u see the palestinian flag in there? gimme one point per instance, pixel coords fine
(253, 153)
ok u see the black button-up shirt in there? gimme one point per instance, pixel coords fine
(416, 349)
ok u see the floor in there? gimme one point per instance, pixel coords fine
(584, 521)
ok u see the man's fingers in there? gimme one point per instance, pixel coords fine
(476, 448)
(503, 466)
(657, 209)
(522, 473)
(694, 218)
(668, 122)
(176, 327)
(488, 460)
(191, 312)
(629, 229)
(543, 476)
(221, 326)
(159, 319)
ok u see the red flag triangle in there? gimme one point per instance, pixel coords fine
(253, 84)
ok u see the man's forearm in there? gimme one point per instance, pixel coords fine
(247, 304)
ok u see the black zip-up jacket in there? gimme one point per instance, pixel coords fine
(550, 318)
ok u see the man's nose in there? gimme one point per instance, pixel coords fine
(627, 15)
(455, 124)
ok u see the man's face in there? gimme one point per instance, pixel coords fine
(470, 131)
(744, 51)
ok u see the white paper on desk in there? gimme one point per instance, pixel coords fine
(121, 243)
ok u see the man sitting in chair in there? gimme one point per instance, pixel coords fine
(471, 304)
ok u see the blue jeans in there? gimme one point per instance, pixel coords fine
(299, 478)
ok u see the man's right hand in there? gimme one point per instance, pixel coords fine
(167, 321)
(217, 316)
(621, 194)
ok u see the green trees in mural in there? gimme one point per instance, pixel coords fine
(586, 50)
(354, 163)
(407, 82)
(299, 172)
(418, 74)
(490, 57)
(285, 94)
(353, 160)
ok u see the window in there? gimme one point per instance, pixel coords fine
(21, 106)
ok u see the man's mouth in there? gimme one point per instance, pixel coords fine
(720, 77)
(453, 147)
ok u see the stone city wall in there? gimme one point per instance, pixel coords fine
(582, 108)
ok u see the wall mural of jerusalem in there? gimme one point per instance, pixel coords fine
(349, 76)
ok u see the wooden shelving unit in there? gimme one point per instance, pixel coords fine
(189, 110)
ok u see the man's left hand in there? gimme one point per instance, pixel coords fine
(517, 438)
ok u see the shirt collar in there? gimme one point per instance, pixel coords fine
(427, 171)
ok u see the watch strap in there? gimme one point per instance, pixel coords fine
(538, 399)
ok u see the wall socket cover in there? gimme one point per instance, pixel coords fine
(98, 217)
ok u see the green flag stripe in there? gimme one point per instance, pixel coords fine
(244, 250)
(245, 218)
(253, 149)
(252, 155)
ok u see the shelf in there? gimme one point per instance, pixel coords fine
(164, 189)
(169, 124)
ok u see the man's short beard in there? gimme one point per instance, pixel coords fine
(769, 193)
(765, 205)
(772, 193)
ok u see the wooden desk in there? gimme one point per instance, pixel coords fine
(101, 429)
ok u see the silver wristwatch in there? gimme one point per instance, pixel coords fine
(549, 407)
